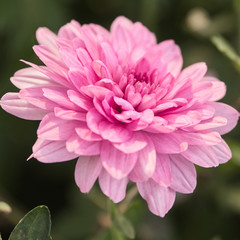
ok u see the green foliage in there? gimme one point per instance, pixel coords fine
(224, 46)
(36, 225)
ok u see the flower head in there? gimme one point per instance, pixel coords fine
(122, 104)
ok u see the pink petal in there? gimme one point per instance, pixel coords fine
(52, 61)
(184, 177)
(35, 96)
(171, 55)
(195, 72)
(86, 172)
(47, 38)
(51, 151)
(30, 77)
(93, 119)
(115, 133)
(69, 114)
(146, 163)
(11, 103)
(200, 138)
(222, 151)
(204, 156)
(85, 133)
(228, 112)
(159, 199)
(132, 145)
(81, 147)
(163, 173)
(218, 88)
(60, 97)
(114, 188)
(168, 143)
(53, 128)
(79, 100)
(117, 163)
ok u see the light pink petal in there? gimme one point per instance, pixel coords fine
(195, 72)
(210, 123)
(168, 143)
(47, 38)
(204, 156)
(54, 128)
(228, 112)
(69, 114)
(108, 56)
(184, 177)
(163, 172)
(93, 119)
(222, 151)
(30, 77)
(56, 77)
(117, 163)
(11, 103)
(101, 70)
(80, 100)
(200, 138)
(132, 145)
(87, 171)
(115, 133)
(85, 133)
(52, 61)
(81, 147)
(95, 91)
(35, 96)
(218, 88)
(60, 97)
(69, 57)
(51, 151)
(171, 55)
(159, 199)
(78, 77)
(143, 122)
(146, 163)
(114, 188)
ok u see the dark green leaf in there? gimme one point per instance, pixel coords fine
(35, 225)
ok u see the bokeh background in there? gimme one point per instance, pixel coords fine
(211, 212)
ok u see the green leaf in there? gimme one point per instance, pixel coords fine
(35, 225)
(224, 46)
(116, 234)
(124, 226)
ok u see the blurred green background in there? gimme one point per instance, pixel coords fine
(212, 212)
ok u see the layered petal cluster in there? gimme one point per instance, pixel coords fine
(120, 102)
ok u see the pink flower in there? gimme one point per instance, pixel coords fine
(122, 104)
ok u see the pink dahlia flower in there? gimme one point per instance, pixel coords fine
(122, 104)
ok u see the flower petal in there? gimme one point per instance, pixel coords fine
(82, 147)
(184, 177)
(54, 128)
(11, 103)
(159, 199)
(117, 163)
(146, 163)
(87, 171)
(163, 172)
(228, 112)
(114, 188)
(51, 151)
(30, 77)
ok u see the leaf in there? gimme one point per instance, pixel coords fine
(35, 225)
(224, 47)
(124, 226)
(116, 234)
